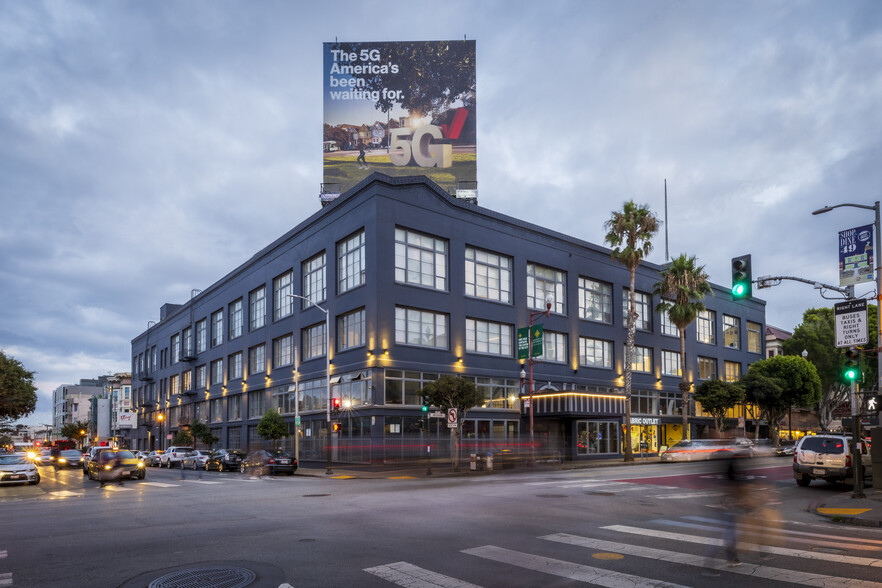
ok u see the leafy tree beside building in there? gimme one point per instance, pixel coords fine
(272, 426)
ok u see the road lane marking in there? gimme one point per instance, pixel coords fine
(861, 561)
(64, 493)
(159, 484)
(405, 574)
(858, 542)
(843, 511)
(688, 495)
(675, 557)
(6, 579)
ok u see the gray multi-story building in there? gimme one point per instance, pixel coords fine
(415, 283)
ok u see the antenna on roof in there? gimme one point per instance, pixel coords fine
(667, 256)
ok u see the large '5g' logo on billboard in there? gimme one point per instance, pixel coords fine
(420, 149)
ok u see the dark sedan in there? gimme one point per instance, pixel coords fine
(269, 461)
(225, 460)
(71, 458)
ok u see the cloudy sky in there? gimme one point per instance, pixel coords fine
(148, 148)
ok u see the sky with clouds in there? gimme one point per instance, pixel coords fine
(148, 148)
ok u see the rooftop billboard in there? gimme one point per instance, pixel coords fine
(400, 108)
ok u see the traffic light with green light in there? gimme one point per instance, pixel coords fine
(741, 277)
(852, 371)
(425, 405)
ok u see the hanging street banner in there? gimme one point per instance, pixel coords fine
(399, 108)
(850, 319)
(856, 256)
(524, 342)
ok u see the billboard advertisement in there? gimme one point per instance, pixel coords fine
(399, 108)
(856, 256)
(127, 420)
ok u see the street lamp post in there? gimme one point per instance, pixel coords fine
(855, 404)
(328, 470)
(160, 417)
(549, 300)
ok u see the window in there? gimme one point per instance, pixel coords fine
(487, 337)
(707, 368)
(283, 304)
(643, 402)
(201, 376)
(257, 359)
(420, 259)
(595, 352)
(642, 359)
(257, 308)
(731, 331)
(201, 336)
(175, 384)
(314, 279)
(487, 275)
(704, 327)
(175, 348)
(314, 341)
(671, 363)
(256, 404)
(187, 342)
(595, 300)
(754, 342)
(217, 328)
(406, 387)
(350, 330)
(234, 408)
(554, 347)
(543, 280)
(667, 327)
(732, 371)
(598, 437)
(187, 381)
(234, 366)
(216, 410)
(237, 317)
(350, 262)
(217, 372)
(641, 307)
(283, 351)
(420, 327)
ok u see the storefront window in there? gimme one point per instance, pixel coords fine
(597, 437)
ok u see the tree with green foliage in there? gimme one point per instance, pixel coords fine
(718, 397)
(454, 392)
(76, 432)
(682, 288)
(18, 395)
(777, 383)
(272, 426)
(202, 433)
(182, 437)
(629, 234)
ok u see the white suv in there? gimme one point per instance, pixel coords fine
(827, 457)
(173, 456)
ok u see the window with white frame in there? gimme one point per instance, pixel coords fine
(201, 335)
(217, 372)
(350, 262)
(237, 319)
(707, 368)
(216, 411)
(421, 327)
(283, 287)
(704, 327)
(217, 328)
(350, 330)
(234, 366)
(731, 331)
(487, 275)
(201, 376)
(187, 342)
(595, 300)
(420, 259)
(234, 407)
(554, 347)
(257, 308)
(667, 327)
(314, 279)
(595, 352)
(488, 337)
(187, 381)
(175, 348)
(314, 341)
(641, 307)
(671, 363)
(732, 371)
(256, 404)
(175, 384)
(283, 351)
(754, 342)
(257, 359)
(641, 361)
(542, 281)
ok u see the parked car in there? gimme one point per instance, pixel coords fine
(827, 457)
(269, 461)
(705, 449)
(103, 464)
(152, 459)
(18, 469)
(224, 460)
(785, 449)
(141, 454)
(196, 459)
(71, 458)
(173, 456)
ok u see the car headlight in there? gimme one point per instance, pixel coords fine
(62, 460)
(107, 467)
(140, 464)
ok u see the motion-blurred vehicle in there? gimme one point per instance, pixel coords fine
(706, 449)
(827, 457)
(269, 461)
(108, 463)
(225, 460)
(173, 456)
(71, 458)
(43, 457)
(18, 469)
(152, 459)
(785, 449)
(195, 459)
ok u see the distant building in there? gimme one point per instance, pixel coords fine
(775, 338)
(77, 403)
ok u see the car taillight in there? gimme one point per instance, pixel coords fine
(271, 460)
(848, 461)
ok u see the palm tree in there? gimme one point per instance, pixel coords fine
(629, 233)
(682, 288)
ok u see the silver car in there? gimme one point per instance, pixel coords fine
(196, 459)
(18, 469)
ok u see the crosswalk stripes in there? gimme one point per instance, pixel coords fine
(405, 574)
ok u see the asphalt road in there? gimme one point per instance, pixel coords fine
(647, 525)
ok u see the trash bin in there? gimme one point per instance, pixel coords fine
(490, 461)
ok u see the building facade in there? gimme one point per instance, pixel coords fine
(408, 283)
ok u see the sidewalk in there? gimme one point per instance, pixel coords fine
(865, 512)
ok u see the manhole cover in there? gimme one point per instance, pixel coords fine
(206, 577)
(551, 496)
